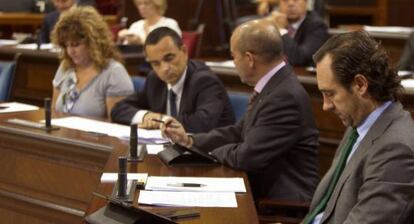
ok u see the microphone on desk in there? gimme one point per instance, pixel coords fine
(122, 177)
(133, 142)
(135, 150)
(38, 41)
(48, 115)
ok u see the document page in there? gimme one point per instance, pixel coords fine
(205, 184)
(111, 129)
(16, 107)
(223, 64)
(112, 177)
(192, 199)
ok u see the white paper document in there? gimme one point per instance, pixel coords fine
(210, 184)
(112, 177)
(191, 199)
(5, 42)
(16, 107)
(111, 129)
(389, 29)
(224, 64)
(33, 46)
(153, 149)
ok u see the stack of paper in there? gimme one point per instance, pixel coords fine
(111, 129)
(193, 199)
(112, 177)
(6, 42)
(33, 46)
(192, 191)
(389, 29)
(211, 184)
(223, 64)
(16, 107)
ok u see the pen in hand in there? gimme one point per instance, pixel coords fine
(169, 125)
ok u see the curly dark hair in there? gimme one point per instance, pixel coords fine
(357, 53)
(87, 25)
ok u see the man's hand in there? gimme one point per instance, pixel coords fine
(148, 123)
(175, 131)
(279, 19)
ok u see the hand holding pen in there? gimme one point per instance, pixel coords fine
(175, 131)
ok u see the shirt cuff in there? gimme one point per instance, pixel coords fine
(139, 117)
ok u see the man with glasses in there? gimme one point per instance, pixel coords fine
(179, 87)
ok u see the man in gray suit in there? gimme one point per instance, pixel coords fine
(372, 175)
(276, 140)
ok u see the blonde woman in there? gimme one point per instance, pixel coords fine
(152, 12)
(90, 78)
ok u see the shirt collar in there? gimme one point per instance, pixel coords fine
(178, 87)
(297, 24)
(263, 81)
(370, 120)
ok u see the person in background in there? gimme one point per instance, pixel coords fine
(178, 86)
(152, 12)
(51, 18)
(303, 31)
(276, 140)
(407, 58)
(90, 78)
(371, 179)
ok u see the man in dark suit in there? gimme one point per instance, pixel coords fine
(178, 86)
(371, 179)
(276, 141)
(51, 18)
(303, 32)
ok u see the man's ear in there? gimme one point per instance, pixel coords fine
(360, 84)
(250, 58)
(184, 49)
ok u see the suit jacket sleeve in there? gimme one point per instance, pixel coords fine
(124, 111)
(311, 35)
(276, 124)
(388, 182)
(203, 103)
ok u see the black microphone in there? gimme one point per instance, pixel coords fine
(122, 177)
(48, 116)
(38, 40)
(133, 143)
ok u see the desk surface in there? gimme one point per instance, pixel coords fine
(92, 167)
(245, 213)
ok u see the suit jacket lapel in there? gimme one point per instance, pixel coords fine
(268, 88)
(375, 132)
(185, 97)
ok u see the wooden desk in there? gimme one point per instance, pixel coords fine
(245, 213)
(47, 177)
(50, 177)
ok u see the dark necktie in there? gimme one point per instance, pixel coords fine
(252, 98)
(335, 177)
(291, 31)
(173, 106)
